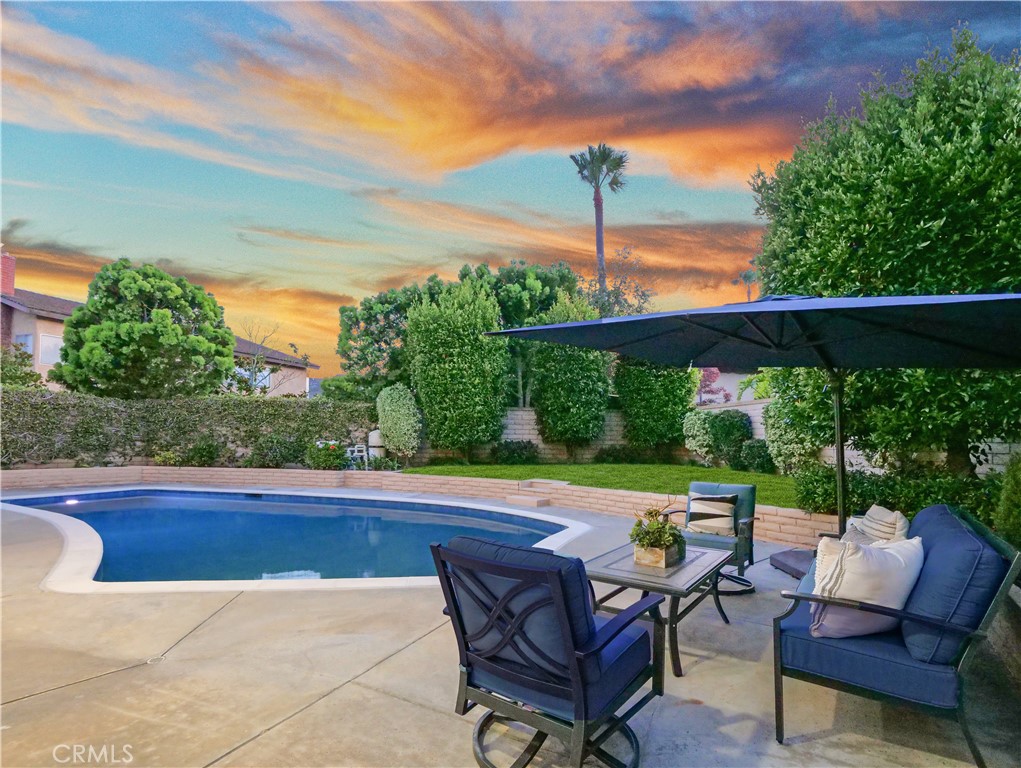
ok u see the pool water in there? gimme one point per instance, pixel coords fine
(172, 536)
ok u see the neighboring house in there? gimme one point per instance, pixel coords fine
(36, 321)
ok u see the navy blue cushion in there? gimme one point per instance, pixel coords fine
(878, 662)
(542, 627)
(605, 676)
(958, 582)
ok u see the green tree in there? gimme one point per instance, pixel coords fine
(400, 423)
(457, 371)
(145, 334)
(572, 387)
(654, 400)
(16, 369)
(631, 290)
(916, 192)
(597, 166)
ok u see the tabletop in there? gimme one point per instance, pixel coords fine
(618, 567)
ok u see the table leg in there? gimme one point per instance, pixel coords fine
(716, 597)
(675, 652)
(659, 640)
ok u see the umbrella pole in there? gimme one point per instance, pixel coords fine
(837, 384)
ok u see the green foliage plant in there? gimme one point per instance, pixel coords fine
(206, 450)
(793, 441)
(167, 458)
(917, 191)
(654, 400)
(698, 438)
(16, 371)
(457, 371)
(728, 432)
(908, 492)
(144, 334)
(572, 386)
(400, 422)
(653, 529)
(1007, 515)
(515, 452)
(273, 450)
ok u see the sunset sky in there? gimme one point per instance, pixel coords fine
(295, 157)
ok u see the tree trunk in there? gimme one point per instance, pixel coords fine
(521, 381)
(958, 458)
(597, 201)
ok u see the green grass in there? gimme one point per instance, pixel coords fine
(655, 478)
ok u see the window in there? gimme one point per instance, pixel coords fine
(259, 379)
(24, 340)
(49, 349)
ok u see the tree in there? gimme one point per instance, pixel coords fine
(631, 290)
(916, 192)
(572, 387)
(253, 374)
(654, 400)
(707, 389)
(145, 334)
(597, 166)
(16, 369)
(457, 371)
(747, 278)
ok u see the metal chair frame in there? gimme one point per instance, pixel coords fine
(587, 732)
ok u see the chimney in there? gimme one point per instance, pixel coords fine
(7, 265)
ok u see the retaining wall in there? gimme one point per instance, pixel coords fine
(776, 524)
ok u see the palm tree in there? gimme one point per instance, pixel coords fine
(748, 278)
(597, 166)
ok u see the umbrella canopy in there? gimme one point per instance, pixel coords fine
(837, 334)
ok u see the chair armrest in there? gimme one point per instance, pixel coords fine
(828, 535)
(618, 624)
(858, 605)
(746, 527)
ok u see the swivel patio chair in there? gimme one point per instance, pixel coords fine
(737, 536)
(531, 650)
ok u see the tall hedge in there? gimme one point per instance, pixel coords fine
(654, 400)
(1007, 515)
(459, 372)
(43, 426)
(572, 387)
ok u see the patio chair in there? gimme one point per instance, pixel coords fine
(737, 535)
(966, 575)
(531, 650)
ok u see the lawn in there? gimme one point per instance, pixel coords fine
(656, 478)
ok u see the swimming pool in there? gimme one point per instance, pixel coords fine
(156, 539)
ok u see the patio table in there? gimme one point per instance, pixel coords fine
(697, 574)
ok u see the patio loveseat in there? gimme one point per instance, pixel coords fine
(966, 574)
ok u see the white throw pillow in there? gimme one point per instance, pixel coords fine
(721, 509)
(883, 524)
(883, 573)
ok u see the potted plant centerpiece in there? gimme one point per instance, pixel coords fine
(658, 542)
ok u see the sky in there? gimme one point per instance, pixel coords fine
(295, 157)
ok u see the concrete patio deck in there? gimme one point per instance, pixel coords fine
(368, 678)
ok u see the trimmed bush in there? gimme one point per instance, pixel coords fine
(273, 451)
(755, 458)
(458, 372)
(326, 454)
(515, 452)
(400, 422)
(697, 437)
(42, 426)
(626, 454)
(571, 385)
(816, 491)
(1007, 515)
(790, 447)
(654, 400)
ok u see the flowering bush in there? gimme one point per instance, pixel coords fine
(326, 454)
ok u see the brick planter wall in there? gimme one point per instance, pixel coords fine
(776, 524)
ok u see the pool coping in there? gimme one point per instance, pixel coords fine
(75, 568)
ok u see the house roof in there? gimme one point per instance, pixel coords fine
(54, 308)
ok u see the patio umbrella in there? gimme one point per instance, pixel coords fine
(836, 334)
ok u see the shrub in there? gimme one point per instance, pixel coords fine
(43, 426)
(626, 454)
(755, 458)
(326, 454)
(717, 436)
(206, 451)
(400, 423)
(790, 448)
(273, 451)
(166, 459)
(1007, 515)
(816, 490)
(457, 371)
(515, 452)
(697, 436)
(654, 400)
(571, 384)
(16, 368)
